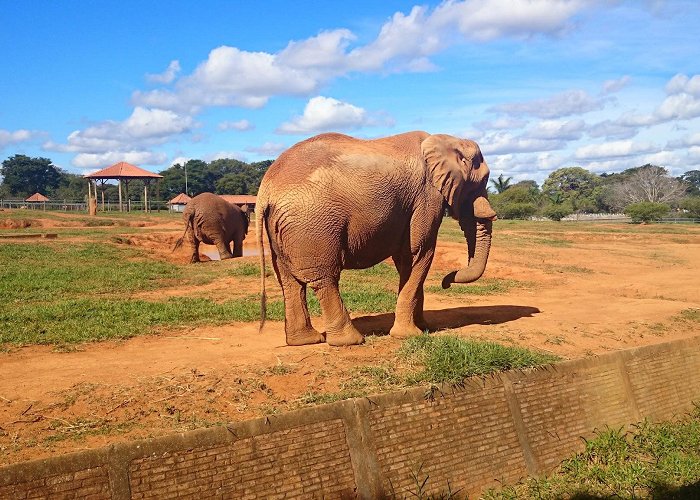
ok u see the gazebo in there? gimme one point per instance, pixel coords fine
(37, 198)
(178, 203)
(122, 172)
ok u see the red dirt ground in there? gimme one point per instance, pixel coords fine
(598, 292)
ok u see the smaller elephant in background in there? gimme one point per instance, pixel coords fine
(212, 220)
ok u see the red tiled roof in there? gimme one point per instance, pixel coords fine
(37, 197)
(181, 199)
(239, 199)
(123, 169)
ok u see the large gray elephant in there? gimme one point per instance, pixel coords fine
(334, 202)
(212, 220)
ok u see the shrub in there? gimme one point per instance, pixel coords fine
(691, 205)
(557, 211)
(646, 211)
(515, 210)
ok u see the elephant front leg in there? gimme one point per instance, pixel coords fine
(409, 319)
(339, 329)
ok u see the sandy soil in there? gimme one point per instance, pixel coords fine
(586, 293)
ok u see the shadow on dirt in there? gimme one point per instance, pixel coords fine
(455, 317)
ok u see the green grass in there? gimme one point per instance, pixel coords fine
(87, 319)
(450, 359)
(488, 286)
(428, 359)
(37, 273)
(655, 460)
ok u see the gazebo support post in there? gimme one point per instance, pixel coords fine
(121, 206)
(145, 196)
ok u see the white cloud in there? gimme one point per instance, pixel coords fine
(503, 142)
(613, 150)
(682, 84)
(570, 130)
(571, 102)
(167, 76)
(490, 19)
(240, 125)
(103, 160)
(144, 127)
(219, 155)
(180, 160)
(234, 77)
(269, 149)
(15, 137)
(612, 86)
(503, 123)
(323, 114)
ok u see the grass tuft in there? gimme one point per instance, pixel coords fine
(450, 359)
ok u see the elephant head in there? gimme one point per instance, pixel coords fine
(458, 170)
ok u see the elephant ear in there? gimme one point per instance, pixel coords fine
(449, 165)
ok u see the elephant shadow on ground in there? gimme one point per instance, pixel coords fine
(455, 317)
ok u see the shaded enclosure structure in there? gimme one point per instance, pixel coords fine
(123, 173)
(36, 199)
(178, 203)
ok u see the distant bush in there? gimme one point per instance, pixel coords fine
(646, 211)
(557, 211)
(510, 210)
(691, 205)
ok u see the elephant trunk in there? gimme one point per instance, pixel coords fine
(477, 232)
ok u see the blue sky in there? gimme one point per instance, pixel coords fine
(539, 84)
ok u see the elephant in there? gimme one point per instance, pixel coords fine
(212, 220)
(335, 202)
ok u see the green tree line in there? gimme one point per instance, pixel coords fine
(23, 176)
(645, 192)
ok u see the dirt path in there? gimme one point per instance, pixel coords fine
(579, 295)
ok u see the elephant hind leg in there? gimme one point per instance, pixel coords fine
(194, 245)
(224, 249)
(339, 329)
(297, 322)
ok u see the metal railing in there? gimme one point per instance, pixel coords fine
(78, 206)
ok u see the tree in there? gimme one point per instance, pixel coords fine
(23, 176)
(557, 211)
(515, 203)
(692, 181)
(691, 205)
(646, 211)
(575, 185)
(500, 184)
(649, 183)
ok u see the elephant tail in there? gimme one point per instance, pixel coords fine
(260, 212)
(189, 223)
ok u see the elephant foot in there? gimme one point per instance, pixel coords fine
(195, 259)
(402, 331)
(305, 337)
(347, 336)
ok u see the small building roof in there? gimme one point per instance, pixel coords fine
(240, 199)
(123, 170)
(180, 199)
(37, 197)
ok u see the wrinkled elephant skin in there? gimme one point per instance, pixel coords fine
(212, 220)
(334, 202)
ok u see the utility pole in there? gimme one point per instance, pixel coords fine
(186, 179)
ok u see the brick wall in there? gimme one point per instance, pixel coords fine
(495, 429)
